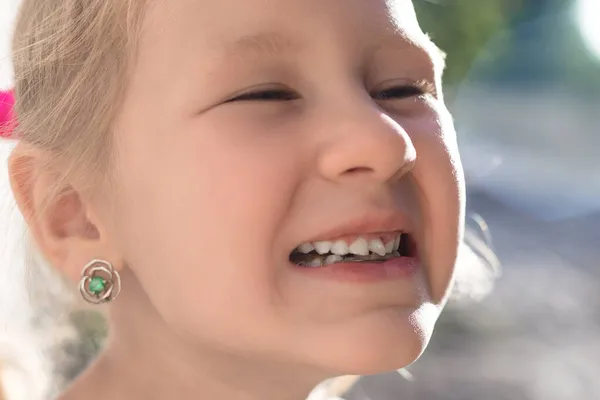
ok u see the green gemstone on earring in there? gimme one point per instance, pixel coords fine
(97, 285)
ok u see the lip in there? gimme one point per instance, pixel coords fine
(372, 223)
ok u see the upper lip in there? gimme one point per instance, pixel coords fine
(367, 223)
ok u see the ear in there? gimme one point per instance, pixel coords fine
(63, 222)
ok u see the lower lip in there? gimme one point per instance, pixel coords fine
(366, 272)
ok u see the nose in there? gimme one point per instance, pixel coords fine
(363, 142)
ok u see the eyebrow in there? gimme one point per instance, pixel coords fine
(422, 42)
(271, 43)
(275, 43)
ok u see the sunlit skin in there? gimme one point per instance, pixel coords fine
(250, 127)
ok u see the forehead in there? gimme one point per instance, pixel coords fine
(237, 10)
(232, 25)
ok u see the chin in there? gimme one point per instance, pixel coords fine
(379, 344)
(378, 359)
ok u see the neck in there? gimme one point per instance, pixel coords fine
(144, 359)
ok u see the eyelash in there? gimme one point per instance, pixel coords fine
(406, 91)
(266, 95)
(402, 92)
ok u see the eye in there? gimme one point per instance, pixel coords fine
(404, 91)
(266, 95)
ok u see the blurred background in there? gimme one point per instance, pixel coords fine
(523, 83)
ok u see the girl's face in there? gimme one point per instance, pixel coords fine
(252, 127)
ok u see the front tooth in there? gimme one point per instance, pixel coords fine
(332, 259)
(397, 243)
(389, 247)
(340, 247)
(315, 262)
(360, 247)
(305, 248)
(323, 247)
(376, 246)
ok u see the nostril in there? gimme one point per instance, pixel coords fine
(357, 170)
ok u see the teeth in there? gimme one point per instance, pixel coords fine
(322, 247)
(332, 259)
(305, 248)
(334, 251)
(315, 262)
(340, 247)
(376, 246)
(359, 247)
(389, 247)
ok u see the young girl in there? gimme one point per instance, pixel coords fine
(265, 193)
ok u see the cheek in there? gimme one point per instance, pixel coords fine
(439, 176)
(202, 213)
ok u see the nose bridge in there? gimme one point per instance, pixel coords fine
(363, 140)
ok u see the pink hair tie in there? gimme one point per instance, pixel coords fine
(7, 101)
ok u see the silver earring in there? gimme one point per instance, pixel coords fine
(100, 282)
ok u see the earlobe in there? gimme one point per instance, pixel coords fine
(55, 212)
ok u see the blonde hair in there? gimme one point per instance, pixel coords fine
(72, 63)
(72, 60)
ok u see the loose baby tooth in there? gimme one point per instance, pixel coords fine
(322, 247)
(397, 243)
(359, 247)
(332, 259)
(389, 247)
(376, 246)
(305, 248)
(315, 262)
(340, 247)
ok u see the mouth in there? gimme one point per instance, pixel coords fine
(365, 248)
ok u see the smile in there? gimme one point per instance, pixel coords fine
(368, 248)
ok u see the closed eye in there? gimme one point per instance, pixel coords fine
(404, 91)
(395, 92)
(266, 95)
